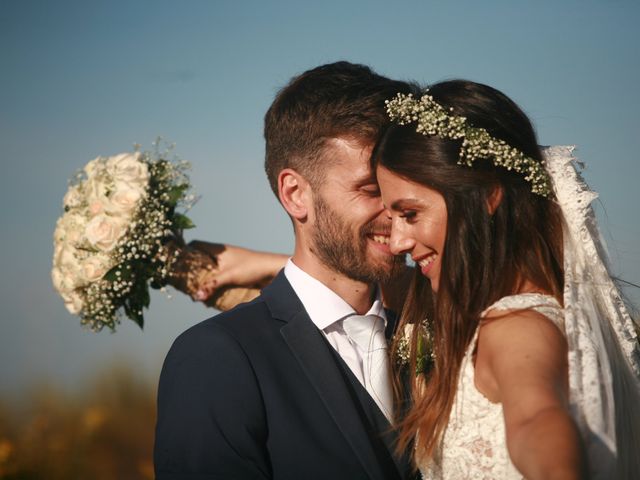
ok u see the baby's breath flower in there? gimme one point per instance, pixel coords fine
(433, 119)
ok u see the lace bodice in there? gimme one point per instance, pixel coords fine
(474, 443)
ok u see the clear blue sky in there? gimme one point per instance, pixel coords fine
(85, 78)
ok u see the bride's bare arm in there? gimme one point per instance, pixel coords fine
(238, 267)
(521, 362)
(243, 267)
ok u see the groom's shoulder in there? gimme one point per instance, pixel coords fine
(241, 317)
(219, 349)
(241, 322)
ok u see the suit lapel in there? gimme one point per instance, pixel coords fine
(312, 353)
(387, 434)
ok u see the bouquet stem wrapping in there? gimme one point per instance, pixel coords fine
(193, 268)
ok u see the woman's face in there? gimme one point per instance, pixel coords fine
(418, 222)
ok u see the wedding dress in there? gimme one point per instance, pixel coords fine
(474, 443)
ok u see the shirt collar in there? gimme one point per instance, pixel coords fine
(323, 305)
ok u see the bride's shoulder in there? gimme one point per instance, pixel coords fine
(528, 300)
(526, 305)
(517, 341)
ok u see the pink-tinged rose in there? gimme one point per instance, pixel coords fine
(104, 231)
(94, 267)
(97, 207)
(124, 199)
(129, 168)
(96, 190)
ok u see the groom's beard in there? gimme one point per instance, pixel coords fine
(344, 249)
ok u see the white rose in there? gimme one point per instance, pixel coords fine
(94, 267)
(65, 257)
(59, 233)
(66, 274)
(128, 167)
(73, 197)
(73, 301)
(104, 231)
(57, 279)
(57, 250)
(71, 279)
(94, 167)
(124, 199)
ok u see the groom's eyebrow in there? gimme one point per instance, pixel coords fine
(366, 180)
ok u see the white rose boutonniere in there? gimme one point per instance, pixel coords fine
(423, 344)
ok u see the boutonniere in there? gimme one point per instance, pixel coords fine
(425, 354)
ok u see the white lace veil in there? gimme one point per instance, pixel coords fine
(604, 356)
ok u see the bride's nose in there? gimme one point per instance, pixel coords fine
(399, 241)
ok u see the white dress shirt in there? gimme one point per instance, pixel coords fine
(327, 310)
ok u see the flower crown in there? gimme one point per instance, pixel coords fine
(433, 119)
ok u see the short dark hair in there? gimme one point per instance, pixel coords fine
(339, 99)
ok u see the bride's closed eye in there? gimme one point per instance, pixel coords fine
(409, 215)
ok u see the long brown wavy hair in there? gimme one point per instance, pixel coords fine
(486, 256)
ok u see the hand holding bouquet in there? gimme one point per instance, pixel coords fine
(121, 233)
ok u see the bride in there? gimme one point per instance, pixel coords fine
(531, 348)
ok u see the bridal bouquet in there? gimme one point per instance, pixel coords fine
(112, 241)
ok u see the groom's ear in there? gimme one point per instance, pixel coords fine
(295, 193)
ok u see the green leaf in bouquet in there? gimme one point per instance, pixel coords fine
(135, 303)
(145, 298)
(134, 312)
(176, 193)
(137, 300)
(111, 275)
(119, 272)
(182, 222)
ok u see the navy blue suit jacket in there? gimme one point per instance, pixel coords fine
(258, 393)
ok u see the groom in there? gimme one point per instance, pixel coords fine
(284, 387)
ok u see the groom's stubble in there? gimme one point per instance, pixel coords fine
(343, 248)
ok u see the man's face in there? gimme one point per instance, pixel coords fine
(351, 234)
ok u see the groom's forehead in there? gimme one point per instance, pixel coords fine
(351, 158)
(354, 173)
